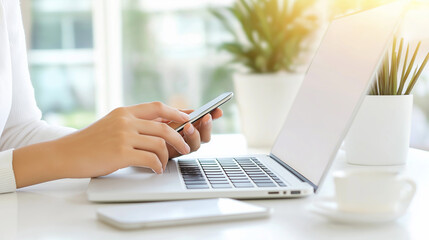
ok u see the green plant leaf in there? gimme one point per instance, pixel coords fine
(411, 64)
(399, 53)
(403, 79)
(416, 76)
(274, 31)
(394, 75)
(386, 75)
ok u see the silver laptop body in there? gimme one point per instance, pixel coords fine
(331, 93)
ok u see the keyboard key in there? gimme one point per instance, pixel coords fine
(282, 184)
(250, 167)
(213, 171)
(249, 164)
(197, 186)
(259, 178)
(238, 177)
(240, 181)
(193, 179)
(196, 183)
(189, 176)
(192, 174)
(187, 160)
(218, 180)
(243, 185)
(220, 183)
(221, 186)
(233, 171)
(266, 185)
(216, 176)
(264, 181)
(257, 175)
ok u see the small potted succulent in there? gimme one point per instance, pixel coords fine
(380, 133)
(269, 37)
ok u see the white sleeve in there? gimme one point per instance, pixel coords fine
(7, 178)
(24, 125)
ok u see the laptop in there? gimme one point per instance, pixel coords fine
(330, 95)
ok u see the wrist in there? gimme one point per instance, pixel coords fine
(38, 163)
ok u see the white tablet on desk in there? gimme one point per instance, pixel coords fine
(146, 215)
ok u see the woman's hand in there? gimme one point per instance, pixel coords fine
(128, 136)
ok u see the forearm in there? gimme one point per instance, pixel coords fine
(30, 131)
(36, 164)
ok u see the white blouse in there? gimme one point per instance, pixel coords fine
(20, 118)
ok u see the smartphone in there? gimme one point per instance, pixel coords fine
(202, 111)
(172, 213)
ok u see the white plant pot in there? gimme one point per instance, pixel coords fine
(380, 133)
(264, 100)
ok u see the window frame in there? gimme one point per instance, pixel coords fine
(107, 29)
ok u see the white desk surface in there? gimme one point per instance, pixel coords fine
(60, 210)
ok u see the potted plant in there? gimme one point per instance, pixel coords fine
(380, 133)
(268, 44)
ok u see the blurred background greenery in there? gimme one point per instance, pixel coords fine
(169, 53)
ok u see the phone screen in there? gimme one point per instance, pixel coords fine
(202, 111)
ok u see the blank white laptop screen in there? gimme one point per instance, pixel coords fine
(341, 71)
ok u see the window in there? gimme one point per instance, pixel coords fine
(169, 54)
(88, 56)
(61, 60)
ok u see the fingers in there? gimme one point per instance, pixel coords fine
(158, 110)
(162, 130)
(205, 128)
(152, 144)
(140, 158)
(192, 137)
(217, 113)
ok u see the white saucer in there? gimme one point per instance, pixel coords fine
(327, 207)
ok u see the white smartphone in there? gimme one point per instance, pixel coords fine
(202, 111)
(155, 214)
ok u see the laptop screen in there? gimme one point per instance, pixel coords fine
(333, 89)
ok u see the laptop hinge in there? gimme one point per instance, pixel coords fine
(294, 172)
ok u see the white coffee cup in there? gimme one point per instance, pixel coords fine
(373, 191)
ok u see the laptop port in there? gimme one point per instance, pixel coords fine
(295, 192)
(271, 193)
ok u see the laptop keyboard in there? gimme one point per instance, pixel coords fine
(227, 173)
